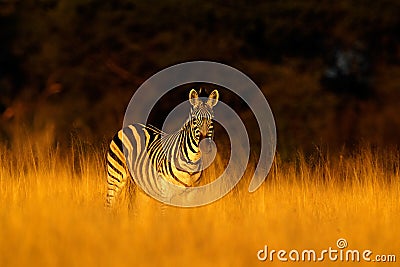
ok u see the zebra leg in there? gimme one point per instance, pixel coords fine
(115, 183)
(117, 172)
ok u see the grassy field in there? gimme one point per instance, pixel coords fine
(52, 213)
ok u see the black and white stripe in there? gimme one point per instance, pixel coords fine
(157, 156)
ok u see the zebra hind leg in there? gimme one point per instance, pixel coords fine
(116, 181)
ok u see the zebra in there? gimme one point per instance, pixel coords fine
(175, 157)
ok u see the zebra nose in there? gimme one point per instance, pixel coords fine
(208, 152)
(206, 145)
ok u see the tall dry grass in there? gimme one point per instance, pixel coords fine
(52, 214)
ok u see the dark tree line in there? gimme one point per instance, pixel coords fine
(81, 60)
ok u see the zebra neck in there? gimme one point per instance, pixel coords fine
(189, 148)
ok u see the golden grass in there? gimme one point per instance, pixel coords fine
(52, 214)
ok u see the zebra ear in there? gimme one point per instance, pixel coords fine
(213, 98)
(193, 97)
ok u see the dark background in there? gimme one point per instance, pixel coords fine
(330, 71)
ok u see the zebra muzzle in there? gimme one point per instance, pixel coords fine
(208, 152)
(206, 145)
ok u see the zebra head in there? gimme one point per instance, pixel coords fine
(201, 114)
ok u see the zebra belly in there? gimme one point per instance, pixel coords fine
(186, 179)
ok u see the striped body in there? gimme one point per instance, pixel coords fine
(155, 157)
